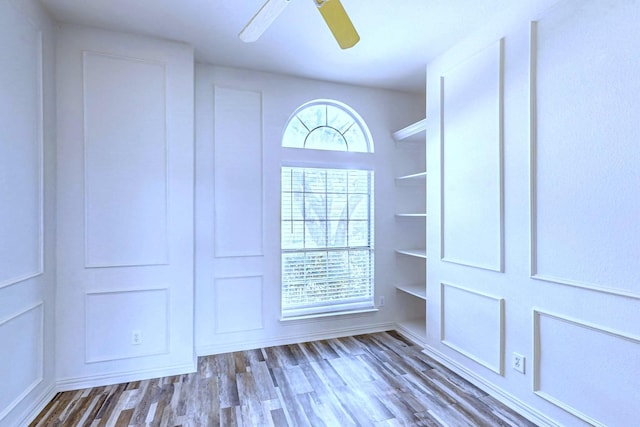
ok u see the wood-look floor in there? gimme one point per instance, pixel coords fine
(367, 380)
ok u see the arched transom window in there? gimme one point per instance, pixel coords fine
(327, 125)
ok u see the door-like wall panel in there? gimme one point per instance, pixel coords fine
(238, 304)
(125, 161)
(113, 318)
(238, 183)
(471, 122)
(472, 323)
(21, 162)
(585, 228)
(22, 357)
(578, 379)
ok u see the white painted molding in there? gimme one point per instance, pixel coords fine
(40, 374)
(166, 260)
(167, 344)
(216, 296)
(220, 252)
(537, 349)
(533, 203)
(245, 344)
(77, 383)
(40, 88)
(499, 369)
(501, 255)
(493, 390)
(38, 405)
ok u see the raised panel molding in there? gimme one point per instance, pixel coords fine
(26, 344)
(582, 244)
(473, 325)
(234, 313)
(599, 357)
(112, 316)
(472, 161)
(126, 207)
(13, 174)
(238, 177)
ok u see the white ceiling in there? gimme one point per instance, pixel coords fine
(398, 37)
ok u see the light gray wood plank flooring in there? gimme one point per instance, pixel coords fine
(367, 380)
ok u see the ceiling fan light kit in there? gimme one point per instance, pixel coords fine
(332, 12)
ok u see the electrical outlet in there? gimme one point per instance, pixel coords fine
(381, 304)
(136, 337)
(517, 362)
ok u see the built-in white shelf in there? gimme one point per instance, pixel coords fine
(419, 253)
(415, 132)
(411, 215)
(418, 290)
(417, 177)
(414, 329)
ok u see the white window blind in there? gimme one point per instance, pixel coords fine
(327, 240)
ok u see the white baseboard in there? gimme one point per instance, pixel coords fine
(78, 383)
(507, 399)
(206, 350)
(36, 406)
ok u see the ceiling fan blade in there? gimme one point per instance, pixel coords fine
(262, 20)
(339, 23)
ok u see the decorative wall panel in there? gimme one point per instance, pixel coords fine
(238, 189)
(121, 325)
(472, 323)
(585, 229)
(125, 161)
(582, 376)
(21, 163)
(238, 304)
(22, 358)
(471, 120)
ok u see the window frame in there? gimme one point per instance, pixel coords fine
(298, 157)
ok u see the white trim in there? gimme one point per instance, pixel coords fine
(37, 406)
(501, 346)
(413, 130)
(40, 374)
(537, 350)
(499, 394)
(328, 314)
(77, 383)
(245, 344)
(163, 64)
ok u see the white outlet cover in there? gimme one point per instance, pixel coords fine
(518, 362)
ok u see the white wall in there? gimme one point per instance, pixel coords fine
(533, 244)
(238, 159)
(125, 208)
(27, 210)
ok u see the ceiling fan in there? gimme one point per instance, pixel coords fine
(331, 10)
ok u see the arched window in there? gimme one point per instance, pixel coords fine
(327, 125)
(326, 216)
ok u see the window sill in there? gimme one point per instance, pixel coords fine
(330, 314)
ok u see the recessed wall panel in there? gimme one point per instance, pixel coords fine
(472, 169)
(21, 129)
(586, 202)
(238, 304)
(125, 161)
(21, 360)
(581, 377)
(113, 318)
(472, 323)
(238, 172)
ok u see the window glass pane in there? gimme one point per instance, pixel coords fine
(315, 235)
(359, 206)
(358, 233)
(315, 181)
(337, 181)
(358, 182)
(337, 206)
(292, 234)
(325, 138)
(337, 234)
(327, 125)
